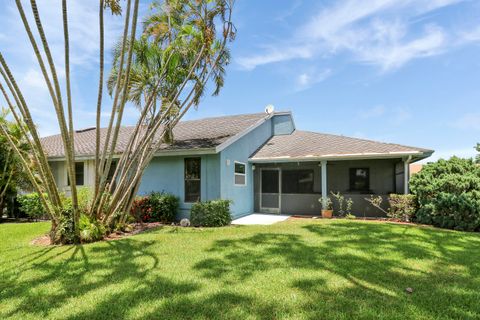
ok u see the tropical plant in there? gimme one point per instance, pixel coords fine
(326, 203)
(183, 33)
(344, 205)
(402, 207)
(448, 194)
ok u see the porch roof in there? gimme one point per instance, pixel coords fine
(310, 146)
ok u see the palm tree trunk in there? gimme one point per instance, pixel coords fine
(99, 99)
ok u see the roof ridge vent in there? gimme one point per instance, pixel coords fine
(85, 130)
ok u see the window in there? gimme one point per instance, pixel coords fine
(297, 181)
(192, 179)
(79, 173)
(359, 179)
(240, 174)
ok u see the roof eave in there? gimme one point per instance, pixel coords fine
(417, 155)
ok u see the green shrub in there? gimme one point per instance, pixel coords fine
(402, 207)
(31, 205)
(157, 206)
(448, 194)
(84, 197)
(164, 206)
(90, 229)
(215, 213)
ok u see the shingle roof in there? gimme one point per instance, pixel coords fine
(304, 145)
(193, 134)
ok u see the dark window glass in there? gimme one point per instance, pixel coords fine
(192, 179)
(297, 181)
(359, 179)
(240, 177)
(239, 168)
(79, 174)
(270, 181)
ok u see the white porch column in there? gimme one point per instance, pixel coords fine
(406, 175)
(324, 182)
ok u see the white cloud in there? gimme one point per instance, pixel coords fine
(84, 48)
(376, 32)
(275, 55)
(307, 79)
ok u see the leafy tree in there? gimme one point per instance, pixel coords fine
(183, 52)
(12, 176)
(448, 194)
(477, 158)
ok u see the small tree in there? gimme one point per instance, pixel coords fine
(190, 53)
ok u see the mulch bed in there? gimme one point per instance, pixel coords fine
(137, 228)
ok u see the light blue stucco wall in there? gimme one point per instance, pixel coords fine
(167, 174)
(241, 150)
(282, 124)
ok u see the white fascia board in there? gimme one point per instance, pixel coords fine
(333, 157)
(165, 153)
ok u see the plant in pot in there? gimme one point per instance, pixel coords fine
(327, 209)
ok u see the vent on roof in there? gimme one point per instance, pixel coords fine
(85, 130)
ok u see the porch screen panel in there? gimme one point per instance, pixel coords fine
(270, 189)
(297, 181)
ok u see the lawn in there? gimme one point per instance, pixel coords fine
(302, 269)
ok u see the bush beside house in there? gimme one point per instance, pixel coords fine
(31, 205)
(156, 207)
(448, 194)
(215, 213)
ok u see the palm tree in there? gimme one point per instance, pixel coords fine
(164, 73)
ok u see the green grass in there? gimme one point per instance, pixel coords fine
(303, 269)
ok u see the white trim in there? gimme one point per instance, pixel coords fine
(240, 174)
(354, 156)
(165, 153)
(324, 184)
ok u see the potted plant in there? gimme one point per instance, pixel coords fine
(327, 209)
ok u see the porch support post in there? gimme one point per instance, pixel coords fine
(324, 183)
(406, 175)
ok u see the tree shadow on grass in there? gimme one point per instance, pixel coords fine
(112, 265)
(361, 270)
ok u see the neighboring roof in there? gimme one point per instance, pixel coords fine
(192, 135)
(415, 168)
(305, 145)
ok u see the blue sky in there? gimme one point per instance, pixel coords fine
(397, 71)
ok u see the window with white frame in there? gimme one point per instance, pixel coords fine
(240, 174)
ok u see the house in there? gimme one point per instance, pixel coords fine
(261, 162)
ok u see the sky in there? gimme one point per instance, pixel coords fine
(400, 71)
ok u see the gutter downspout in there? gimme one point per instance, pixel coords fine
(406, 175)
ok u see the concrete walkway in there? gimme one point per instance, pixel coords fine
(260, 218)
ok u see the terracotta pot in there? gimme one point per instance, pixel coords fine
(327, 214)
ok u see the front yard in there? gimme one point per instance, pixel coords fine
(303, 269)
